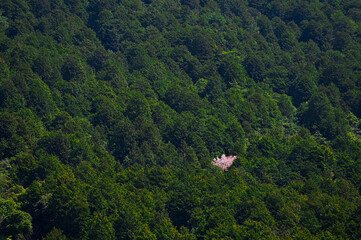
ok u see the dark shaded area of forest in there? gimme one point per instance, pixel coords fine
(111, 113)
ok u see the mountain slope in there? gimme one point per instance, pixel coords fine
(112, 111)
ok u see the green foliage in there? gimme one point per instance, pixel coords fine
(55, 234)
(99, 227)
(14, 223)
(112, 111)
(40, 99)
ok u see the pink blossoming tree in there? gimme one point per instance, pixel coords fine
(224, 162)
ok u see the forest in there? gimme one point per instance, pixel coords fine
(113, 111)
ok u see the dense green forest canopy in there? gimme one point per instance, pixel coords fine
(112, 111)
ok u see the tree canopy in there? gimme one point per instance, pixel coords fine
(111, 113)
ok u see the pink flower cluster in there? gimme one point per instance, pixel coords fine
(224, 162)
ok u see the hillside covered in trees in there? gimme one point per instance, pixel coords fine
(111, 112)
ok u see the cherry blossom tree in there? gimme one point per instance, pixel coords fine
(224, 162)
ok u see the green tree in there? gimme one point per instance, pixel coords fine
(40, 98)
(99, 227)
(55, 234)
(14, 223)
